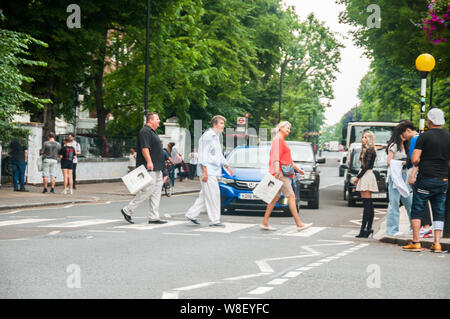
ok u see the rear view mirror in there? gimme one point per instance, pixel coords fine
(320, 160)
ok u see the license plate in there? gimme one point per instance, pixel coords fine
(379, 195)
(247, 196)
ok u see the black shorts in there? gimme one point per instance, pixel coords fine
(66, 164)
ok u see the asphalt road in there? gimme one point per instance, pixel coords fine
(89, 251)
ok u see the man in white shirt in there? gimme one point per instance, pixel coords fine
(209, 167)
(77, 148)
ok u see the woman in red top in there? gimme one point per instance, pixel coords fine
(280, 155)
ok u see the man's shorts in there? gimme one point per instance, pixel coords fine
(286, 188)
(49, 167)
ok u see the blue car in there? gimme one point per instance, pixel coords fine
(251, 163)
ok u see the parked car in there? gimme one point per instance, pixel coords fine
(380, 170)
(250, 164)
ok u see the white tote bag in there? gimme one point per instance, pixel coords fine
(137, 179)
(268, 188)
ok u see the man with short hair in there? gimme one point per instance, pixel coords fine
(209, 167)
(432, 155)
(150, 154)
(77, 148)
(49, 152)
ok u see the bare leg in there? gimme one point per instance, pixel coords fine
(269, 210)
(45, 182)
(70, 178)
(437, 237)
(53, 182)
(293, 209)
(65, 177)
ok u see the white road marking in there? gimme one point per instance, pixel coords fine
(204, 284)
(304, 233)
(229, 228)
(53, 233)
(247, 276)
(304, 268)
(292, 274)
(182, 234)
(260, 290)
(23, 221)
(82, 223)
(12, 212)
(315, 265)
(150, 226)
(106, 231)
(170, 295)
(277, 281)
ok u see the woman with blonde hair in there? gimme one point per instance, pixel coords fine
(366, 182)
(283, 168)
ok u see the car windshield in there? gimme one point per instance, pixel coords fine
(302, 153)
(257, 157)
(380, 161)
(382, 133)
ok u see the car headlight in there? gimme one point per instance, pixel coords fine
(224, 180)
(308, 175)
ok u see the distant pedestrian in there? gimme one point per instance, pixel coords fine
(18, 154)
(150, 154)
(366, 182)
(177, 159)
(170, 168)
(132, 159)
(193, 161)
(50, 151)
(409, 132)
(67, 154)
(77, 148)
(432, 156)
(397, 186)
(210, 163)
(168, 165)
(283, 168)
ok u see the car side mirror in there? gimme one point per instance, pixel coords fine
(320, 160)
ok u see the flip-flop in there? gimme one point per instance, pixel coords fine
(305, 226)
(267, 228)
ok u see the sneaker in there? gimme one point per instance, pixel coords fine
(64, 191)
(71, 191)
(44, 191)
(426, 233)
(436, 248)
(413, 247)
(159, 221)
(218, 225)
(193, 220)
(52, 190)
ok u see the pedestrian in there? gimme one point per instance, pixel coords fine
(432, 156)
(67, 154)
(210, 163)
(283, 168)
(150, 154)
(18, 154)
(193, 161)
(178, 160)
(366, 182)
(168, 164)
(409, 132)
(77, 148)
(132, 159)
(397, 186)
(171, 168)
(50, 151)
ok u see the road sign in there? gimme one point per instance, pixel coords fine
(247, 115)
(241, 120)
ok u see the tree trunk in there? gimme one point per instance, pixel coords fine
(98, 78)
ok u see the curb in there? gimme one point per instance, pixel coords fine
(402, 242)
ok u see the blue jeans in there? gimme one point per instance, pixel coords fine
(393, 213)
(18, 168)
(172, 176)
(434, 190)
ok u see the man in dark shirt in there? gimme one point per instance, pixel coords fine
(150, 154)
(19, 157)
(432, 155)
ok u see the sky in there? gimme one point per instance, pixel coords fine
(353, 65)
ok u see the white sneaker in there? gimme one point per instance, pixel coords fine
(64, 191)
(71, 191)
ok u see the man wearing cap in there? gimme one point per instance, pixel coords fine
(432, 156)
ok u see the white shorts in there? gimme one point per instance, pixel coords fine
(49, 167)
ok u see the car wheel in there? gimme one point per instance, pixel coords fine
(350, 202)
(341, 172)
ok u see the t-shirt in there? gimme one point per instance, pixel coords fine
(412, 145)
(281, 152)
(148, 138)
(77, 148)
(68, 153)
(435, 146)
(50, 150)
(16, 150)
(398, 155)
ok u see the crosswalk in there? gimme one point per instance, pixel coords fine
(178, 225)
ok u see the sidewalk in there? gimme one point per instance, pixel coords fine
(85, 193)
(406, 237)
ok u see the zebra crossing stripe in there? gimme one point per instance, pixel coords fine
(150, 226)
(292, 231)
(229, 228)
(82, 223)
(23, 221)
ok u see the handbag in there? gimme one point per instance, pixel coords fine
(137, 179)
(268, 188)
(288, 170)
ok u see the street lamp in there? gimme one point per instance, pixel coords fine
(424, 63)
(147, 43)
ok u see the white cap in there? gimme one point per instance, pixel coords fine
(436, 116)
